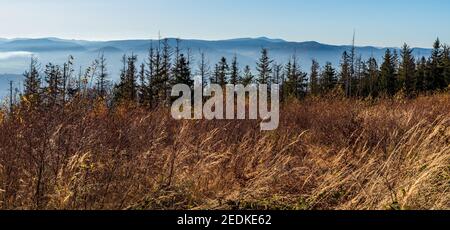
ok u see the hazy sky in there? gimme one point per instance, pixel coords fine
(377, 22)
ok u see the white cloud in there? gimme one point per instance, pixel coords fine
(15, 54)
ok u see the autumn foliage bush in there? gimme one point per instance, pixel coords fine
(327, 154)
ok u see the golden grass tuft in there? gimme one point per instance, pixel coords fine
(327, 154)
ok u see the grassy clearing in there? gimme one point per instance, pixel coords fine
(327, 154)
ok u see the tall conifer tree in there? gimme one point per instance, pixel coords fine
(264, 67)
(234, 73)
(32, 83)
(407, 70)
(314, 78)
(388, 79)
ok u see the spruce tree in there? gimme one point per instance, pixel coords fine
(159, 80)
(247, 77)
(277, 76)
(373, 77)
(222, 72)
(264, 67)
(446, 64)
(126, 89)
(53, 80)
(421, 75)
(287, 87)
(314, 78)
(149, 75)
(296, 82)
(102, 78)
(301, 79)
(388, 78)
(407, 70)
(165, 74)
(131, 86)
(435, 77)
(32, 83)
(360, 69)
(234, 73)
(67, 75)
(346, 73)
(177, 50)
(328, 79)
(143, 89)
(215, 76)
(175, 74)
(183, 72)
(364, 83)
(204, 70)
(118, 87)
(358, 81)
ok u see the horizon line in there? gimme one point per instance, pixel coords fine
(208, 40)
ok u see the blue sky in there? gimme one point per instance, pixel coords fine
(377, 22)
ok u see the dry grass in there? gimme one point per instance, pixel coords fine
(327, 154)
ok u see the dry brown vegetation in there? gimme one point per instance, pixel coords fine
(327, 154)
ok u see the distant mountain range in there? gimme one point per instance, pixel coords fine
(14, 53)
(247, 50)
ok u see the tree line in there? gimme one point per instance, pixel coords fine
(149, 83)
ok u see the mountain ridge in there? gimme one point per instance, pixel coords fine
(246, 39)
(247, 50)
